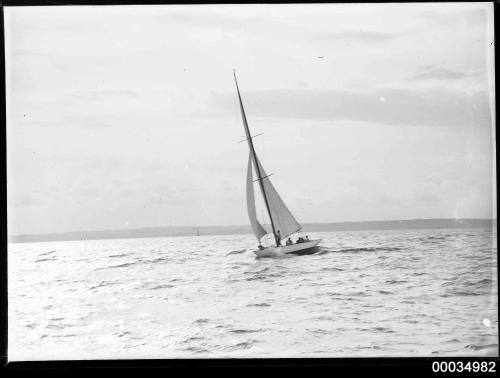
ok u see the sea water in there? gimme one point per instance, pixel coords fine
(363, 294)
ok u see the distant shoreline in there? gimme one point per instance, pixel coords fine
(232, 230)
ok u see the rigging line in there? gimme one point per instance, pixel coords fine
(255, 136)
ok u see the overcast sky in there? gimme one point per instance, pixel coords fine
(127, 116)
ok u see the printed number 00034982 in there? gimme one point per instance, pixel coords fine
(459, 366)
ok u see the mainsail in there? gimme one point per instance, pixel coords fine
(282, 220)
(257, 228)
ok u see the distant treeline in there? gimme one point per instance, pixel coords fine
(231, 230)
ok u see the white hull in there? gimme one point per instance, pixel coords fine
(298, 248)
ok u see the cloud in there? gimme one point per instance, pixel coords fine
(77, 120)
(103, 94)
(387, 106)
(76, 117)
(428, 197)
(198, 17)
(436, 73)
(28, 53)
(22, 199)
(474, 15)
(358, 36)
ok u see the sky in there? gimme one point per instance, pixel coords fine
(127, 116)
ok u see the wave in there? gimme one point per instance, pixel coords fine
(485, 282)
(326, 317)
(427, 240)
(371, 249)
(331, 269)
(242, 345)
(201, 321)
(319, 331)
(122, 333)
(435, 238)
(258, 305)
(57, 326)
(124, 265)
(246, 330)
(262, 274)
(196, 350)
(393, 282)
(58, 336)
(361, 347)
(458, 286)
(411, 321)
(358, 294)
(193, 338)
(383, 329)
(385, 292)
(406, 301)
(153, 261)
(481, 347)
(358, 249)
(263, 277)
(265, 269)
(102, 284)
(137, 262)
(119, 255)
(459, 293)
(237, 252)
(161, 287)
(48, 259)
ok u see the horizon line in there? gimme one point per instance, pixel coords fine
(237, 225)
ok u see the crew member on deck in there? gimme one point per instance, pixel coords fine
(278, 237)
(289, 242)
(307, 238)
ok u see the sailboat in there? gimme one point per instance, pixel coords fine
(283, 223)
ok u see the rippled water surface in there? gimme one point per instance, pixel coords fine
(376, 293)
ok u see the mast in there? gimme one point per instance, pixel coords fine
(254, 155)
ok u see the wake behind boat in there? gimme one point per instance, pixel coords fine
(283, 223)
